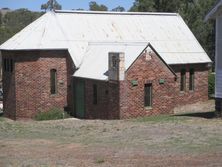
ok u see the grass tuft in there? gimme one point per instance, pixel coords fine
(52, 114)
(100, 161)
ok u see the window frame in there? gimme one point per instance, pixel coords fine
(11, 65)
(183, 80)
(53, 82)
(8, 65)
(192, 80)
(148, 98)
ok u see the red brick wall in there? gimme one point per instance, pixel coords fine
(27, 88)
(132, 97)
(107, 106)
(32, 82)
(165, 96)
(200, 92)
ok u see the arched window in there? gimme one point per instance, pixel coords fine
(191, 81)
(183, 80)
(53, 81)
(148, 95)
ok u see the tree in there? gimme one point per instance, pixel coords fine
(0, 19)
(44, 7)
(166, 5)
(156, 5)
(119, 9)
(96, 7)
(79, 9)
(51, 5)
(143, 6)
(194, 14)
(14, 21)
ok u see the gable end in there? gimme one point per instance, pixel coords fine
(157, 54)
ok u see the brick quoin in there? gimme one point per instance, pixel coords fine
(27, 88)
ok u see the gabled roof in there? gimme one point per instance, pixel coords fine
(95, 62)
(91, 35)
(217, 9)
(99, 69)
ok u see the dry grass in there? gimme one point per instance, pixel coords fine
(154, 141)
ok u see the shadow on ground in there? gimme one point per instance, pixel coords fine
(206, 115)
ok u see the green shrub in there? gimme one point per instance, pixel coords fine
(52, 114)
(100, 161)
(211, 84)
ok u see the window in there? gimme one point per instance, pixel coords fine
(4, 64)
(8, 65)
(148, 95)
(191, 81)
(11, 65)
(183, 80)
(53, 81)
(95, 94)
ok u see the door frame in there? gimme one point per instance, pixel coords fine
(75, 96)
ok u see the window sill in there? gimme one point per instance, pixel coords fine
(148, 108)
(53, 95)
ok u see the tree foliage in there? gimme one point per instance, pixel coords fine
(0, 18)
(118, 9)
(93, 6)
(211, 84)
(142, 6)
(14, 21)
(51, 5)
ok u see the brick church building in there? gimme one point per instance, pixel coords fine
(103, 65)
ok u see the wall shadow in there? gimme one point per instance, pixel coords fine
(206, 115)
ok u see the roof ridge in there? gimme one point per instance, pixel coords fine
(116, 13)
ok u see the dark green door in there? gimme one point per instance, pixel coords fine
(79, 98)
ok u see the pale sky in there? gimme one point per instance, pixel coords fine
(35, 5)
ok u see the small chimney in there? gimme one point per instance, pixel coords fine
(116, 66)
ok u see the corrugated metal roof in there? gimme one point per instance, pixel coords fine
(95, 61)
(89, 35)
